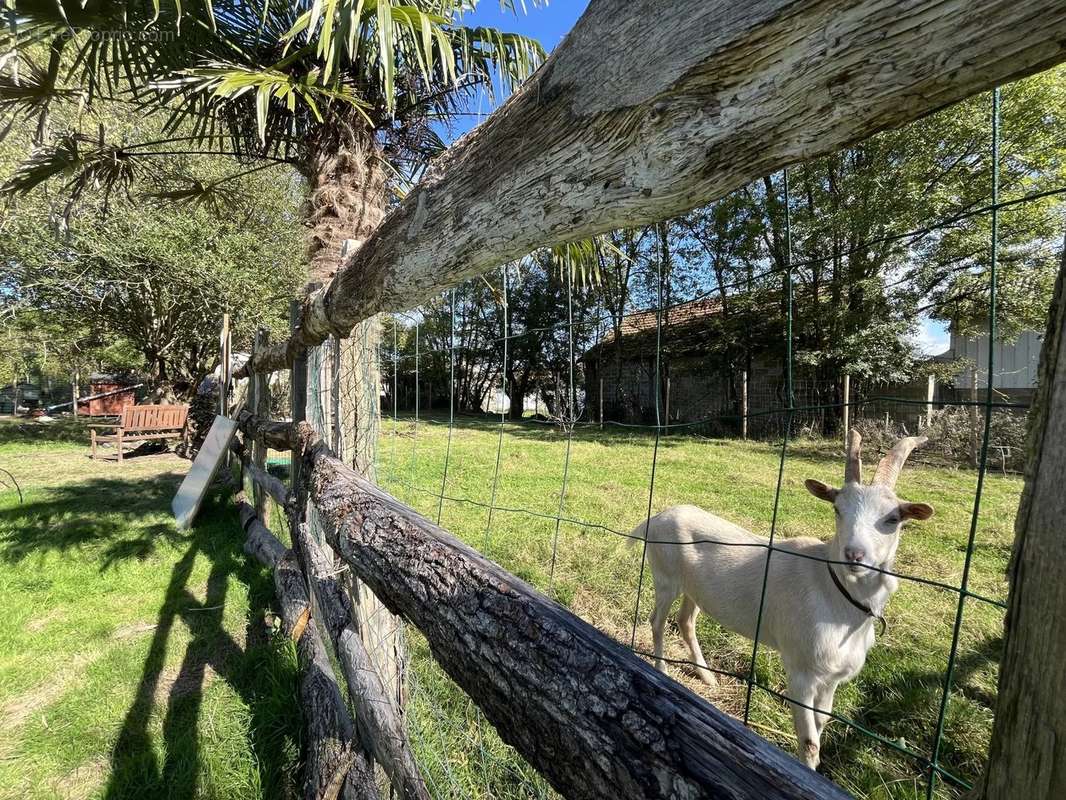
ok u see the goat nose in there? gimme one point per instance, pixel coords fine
(854, 554)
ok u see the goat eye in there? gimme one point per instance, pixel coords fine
(894, 520)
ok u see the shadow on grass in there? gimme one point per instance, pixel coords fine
(97, 514)
(98, 518)
(261, 674)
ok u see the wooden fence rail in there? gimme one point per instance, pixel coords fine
(640, 115)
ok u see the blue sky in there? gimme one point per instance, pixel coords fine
(549, 25)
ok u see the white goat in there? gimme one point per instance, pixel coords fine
(819, 616)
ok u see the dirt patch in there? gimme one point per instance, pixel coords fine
(38, 624)
(171, 684)
(132, 629)
(17, 711)
(83, 780)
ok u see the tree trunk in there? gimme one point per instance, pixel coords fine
(1028, 752)
(347, 193)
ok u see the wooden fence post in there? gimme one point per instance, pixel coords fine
(1027, 757)
(666, 417)
(975, 439)
(297, 404)
(224, 366)
(601, 402)
(930, 393)
(847, 407)
(259, 403)
(356, 413)
(744, 404)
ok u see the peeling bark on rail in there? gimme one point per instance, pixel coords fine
(334, 765)
(277, 435)
(640, 115)
(588, 714)
(1027, 757)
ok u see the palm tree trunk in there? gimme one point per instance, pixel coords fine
(347, 194)
(346, 203)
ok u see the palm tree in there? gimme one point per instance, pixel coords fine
(344, 91)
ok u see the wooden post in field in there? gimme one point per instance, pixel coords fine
(930, 393)
(336, 424)
(297, 402)
(74, 391)
(975, 439)
(744, 405)
(847, 406)
(259, 403)
(357, 417)
(1027, 757)
(601, 402)
(224, 366)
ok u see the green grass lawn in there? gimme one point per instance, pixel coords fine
(596, 574)
(135, 659)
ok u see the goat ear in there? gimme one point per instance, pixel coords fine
(915, 510)
(821, 491)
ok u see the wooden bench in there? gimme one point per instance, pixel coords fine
(142, 423)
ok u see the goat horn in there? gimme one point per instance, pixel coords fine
(890, 466)
(853, 467)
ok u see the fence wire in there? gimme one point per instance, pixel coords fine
(570, 418)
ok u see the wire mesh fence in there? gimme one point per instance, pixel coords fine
(554, 482)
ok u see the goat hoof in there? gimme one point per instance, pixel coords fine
(810, 754)
(708, 677)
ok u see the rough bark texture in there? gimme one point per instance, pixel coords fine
(259, 402)
(202, 410)
(588, 714)
(291, 588)
(1028, 752)
(640, 115)
(333, 765)
(347, 197)
(277, 435)
(377, 720)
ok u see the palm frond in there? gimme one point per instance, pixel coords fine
(194, 193)
(85, 163)
(379, 39)
(229, 83)
(581, 259)
(29, 93)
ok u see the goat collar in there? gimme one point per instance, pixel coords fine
(865, 609)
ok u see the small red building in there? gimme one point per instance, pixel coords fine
(124, 394)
